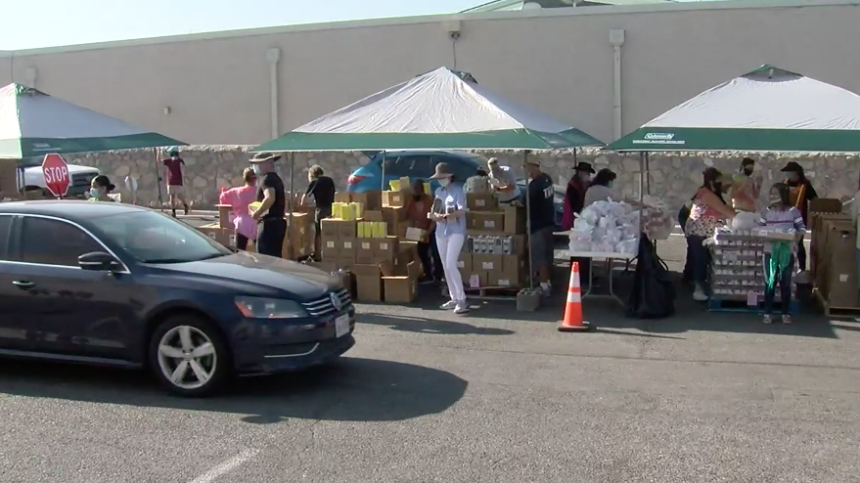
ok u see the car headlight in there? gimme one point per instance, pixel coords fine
(263, 308)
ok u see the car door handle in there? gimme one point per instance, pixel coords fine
(23, 284)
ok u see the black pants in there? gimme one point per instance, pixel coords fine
(784, 282)
(801, 255)
(241, 242)
(430, 260)
(270, 236)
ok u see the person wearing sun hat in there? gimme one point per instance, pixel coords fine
(800, 192)
(449, 213)
(272, 227)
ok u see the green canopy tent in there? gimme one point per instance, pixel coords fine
(33, 124)
(442, 109)
(768, 109)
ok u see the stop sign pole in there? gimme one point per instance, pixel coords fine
(56, 173)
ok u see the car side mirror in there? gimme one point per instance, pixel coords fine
(98, 261)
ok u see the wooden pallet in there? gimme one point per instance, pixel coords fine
(835, 312)
(741, 307)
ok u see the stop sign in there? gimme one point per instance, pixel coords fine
(56, 173)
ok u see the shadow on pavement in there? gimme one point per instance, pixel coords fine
(351, 389)
(427, 326)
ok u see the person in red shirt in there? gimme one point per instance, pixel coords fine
(175, 187)
(417, 208)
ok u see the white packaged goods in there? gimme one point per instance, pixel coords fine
(737, 268)
(606, 227)
(745, 221)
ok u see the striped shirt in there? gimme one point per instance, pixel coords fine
(790, 218)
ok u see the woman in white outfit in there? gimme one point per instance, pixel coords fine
(449, 213)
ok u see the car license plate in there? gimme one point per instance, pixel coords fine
(341, 326)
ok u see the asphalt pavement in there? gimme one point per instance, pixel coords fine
(498, 396)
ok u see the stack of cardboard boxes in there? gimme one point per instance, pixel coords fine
(833, 255)
(495, 254)
(384, 265)
(298, 243)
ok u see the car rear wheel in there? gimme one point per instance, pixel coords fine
(189, 357)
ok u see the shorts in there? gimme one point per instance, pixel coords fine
(542, 249)
(175, 189)
(321, 214)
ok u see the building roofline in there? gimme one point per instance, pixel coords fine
(541, 13)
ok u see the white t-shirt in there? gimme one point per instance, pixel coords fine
(506, 178)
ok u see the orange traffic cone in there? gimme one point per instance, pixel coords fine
(573, 307)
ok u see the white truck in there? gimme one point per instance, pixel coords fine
(79, 184)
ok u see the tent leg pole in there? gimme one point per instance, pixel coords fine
(641, 176)
(647, 173)
(292, 194)
(382, 181)
(528, 224)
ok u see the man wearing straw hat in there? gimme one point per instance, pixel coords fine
(272, 226)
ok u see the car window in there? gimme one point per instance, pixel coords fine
(54, 242)
(395, 165)
(152, 237)
(462, 170)
(5, 225)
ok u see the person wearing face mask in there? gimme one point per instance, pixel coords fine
(449, 213)
(322, 188)
(272, 227)
(779, 256)
(503, 182)
(418, 207)
(800, 192)
(100, 187)
(708, 212)
(745, 189)
(239, 198)
(574, 197)
(600, 189)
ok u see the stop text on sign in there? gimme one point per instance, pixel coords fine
(57, 174)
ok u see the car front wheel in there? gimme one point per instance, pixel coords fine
(189, 357)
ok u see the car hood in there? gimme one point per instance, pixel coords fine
(295, 279)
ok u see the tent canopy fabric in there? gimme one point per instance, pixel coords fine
(33, 123)
(768, 109)
(442, 109)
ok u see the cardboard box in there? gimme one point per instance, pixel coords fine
(224, 236)
(825, 205)
(515, 220)
(486, 263)
(415, 234)
(329, 249)
(400, 230)
(343, 197)
(482, 202)
(393, 215)
(329, 228)
(407, 251)
(475, 280)
(464, 262)
(393, 199)
(364, 253)
(385, 249)
(498, 279)
(486, 221)
(10, 186)
(513, 265)
(373, 215)
(371, 200)
(224, 215)
(368, 283)
(837, 270)
(403, 288)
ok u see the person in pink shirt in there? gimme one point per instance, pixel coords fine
(239, 199)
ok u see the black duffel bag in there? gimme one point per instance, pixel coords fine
(653, 295)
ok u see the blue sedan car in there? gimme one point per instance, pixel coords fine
(119, 285)
(422, 165)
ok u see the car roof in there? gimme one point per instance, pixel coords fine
(67, 209)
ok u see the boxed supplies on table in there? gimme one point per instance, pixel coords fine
(606, 227)
(835, 276)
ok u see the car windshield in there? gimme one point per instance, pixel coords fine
(151, 237)
(31, 161)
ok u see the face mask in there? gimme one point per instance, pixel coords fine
(94, 193)
(444, 182)
(609, 184)
(256, 169)
(775, 200)
(416, 196)
(718, 187)
(748, 171)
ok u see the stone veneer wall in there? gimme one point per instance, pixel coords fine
(673, 176)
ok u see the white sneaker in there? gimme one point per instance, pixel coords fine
(699, 294)
(462, 309)
(545, 291)
(449, 305)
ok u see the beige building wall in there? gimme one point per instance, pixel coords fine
(560, 62)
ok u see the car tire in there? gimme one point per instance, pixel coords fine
(189, 356)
